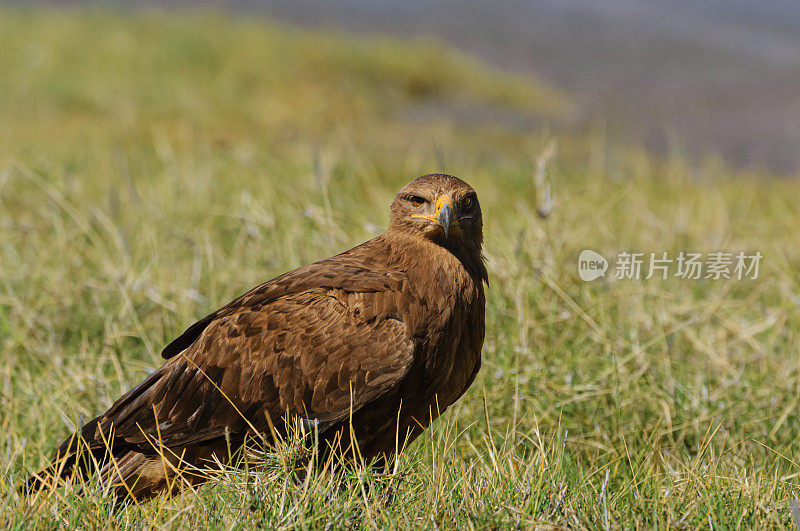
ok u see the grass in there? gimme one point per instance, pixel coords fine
(154, 166)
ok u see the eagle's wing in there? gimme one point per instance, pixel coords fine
(334, 273)
(317, 343)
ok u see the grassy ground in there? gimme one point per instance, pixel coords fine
(153, 167)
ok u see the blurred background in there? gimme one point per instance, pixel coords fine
(707, 77)
(719, 76)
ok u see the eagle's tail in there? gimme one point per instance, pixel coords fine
(75, 458)
(124, 471)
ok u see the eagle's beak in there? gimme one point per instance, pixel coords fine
(444, 213)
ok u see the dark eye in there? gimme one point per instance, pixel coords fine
(416, 201)
(467, 201)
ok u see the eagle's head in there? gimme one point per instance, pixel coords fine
(441, 208)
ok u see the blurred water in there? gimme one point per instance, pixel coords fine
(719, 76)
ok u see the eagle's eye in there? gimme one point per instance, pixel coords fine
(467, 201)
(416, 202)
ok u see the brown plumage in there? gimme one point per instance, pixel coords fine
(384, 336)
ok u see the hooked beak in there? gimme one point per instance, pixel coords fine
(444, 216)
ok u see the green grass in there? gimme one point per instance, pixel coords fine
(154, 166)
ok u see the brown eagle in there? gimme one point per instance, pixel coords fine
(371, 344)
